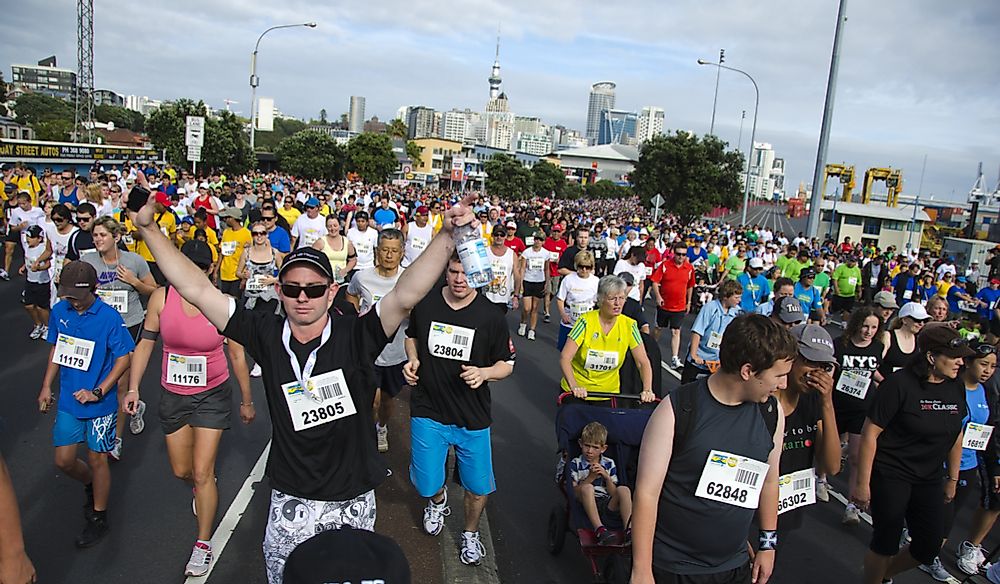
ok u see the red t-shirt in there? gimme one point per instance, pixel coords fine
(653, 259)
(516, 244)
(558, 246)
(674, 283)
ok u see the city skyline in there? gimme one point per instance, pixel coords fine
(901, 95)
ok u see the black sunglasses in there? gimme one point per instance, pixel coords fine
(312, 290)
(984, 349)
(267, 218)
(259, 232)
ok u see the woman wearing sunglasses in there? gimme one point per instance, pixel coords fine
(196, 401)
(259, 268)
(913, 431)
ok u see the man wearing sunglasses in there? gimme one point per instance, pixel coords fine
(323, 464)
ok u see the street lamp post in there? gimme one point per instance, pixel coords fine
(753, 131)
(255, 81)
(718, 73)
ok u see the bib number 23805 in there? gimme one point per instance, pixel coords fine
(449, 341)
(325, 398)
(732, 479)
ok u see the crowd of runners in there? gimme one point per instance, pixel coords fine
(339, 295)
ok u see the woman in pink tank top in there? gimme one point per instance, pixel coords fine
(196, 402)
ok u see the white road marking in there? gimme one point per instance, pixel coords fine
(669, 370)
(866, 517)
(233, 515)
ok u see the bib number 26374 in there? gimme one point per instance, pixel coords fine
(732, 479)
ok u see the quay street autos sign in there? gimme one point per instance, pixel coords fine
(37, 151)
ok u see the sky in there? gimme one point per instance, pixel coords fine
(918, 79)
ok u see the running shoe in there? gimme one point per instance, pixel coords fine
(97, 527)
(936, 570)
(201, 560)
(4, 275)
(472, 549)
(675, 362)
(531, 335)
(116, 452)
(822, 491)
(851, 515)
(36, 332)
(435, 513)
(604, 536)
(521, 328)
(45, 332)
(547, 318)
(383, 437)
(255, 372)
(136, 425)
(970, 557)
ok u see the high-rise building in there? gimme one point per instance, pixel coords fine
(537, 145)
(356, 115)
(420, 122)
(618, 127)
(650, 123)
(602, 97)
(454, 125)
(767, 173)
(108, 97)
(45, 77)
(498, 120)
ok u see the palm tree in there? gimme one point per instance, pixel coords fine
(396, 128)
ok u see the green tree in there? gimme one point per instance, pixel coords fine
(283, 128)
(413, 152)
(693, 175)
(226, 144)
(506, 177)
(33, 109)
(606, 189)
(312, 154)
(547, 178)
(573, 190)
(371, 156)
(53, 130)
(120, 117)
(396, 128)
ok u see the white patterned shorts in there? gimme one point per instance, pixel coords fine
(292, 520)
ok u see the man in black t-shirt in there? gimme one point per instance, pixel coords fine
(323, 463)
(82, 240)
(581, 241)
(457, 342)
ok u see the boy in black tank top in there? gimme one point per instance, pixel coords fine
(709, 461)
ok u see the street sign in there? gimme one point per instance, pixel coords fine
(194, 154)
(658, 200)
(194, 132)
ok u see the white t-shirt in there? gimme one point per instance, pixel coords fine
(33, 216)
(501, 288)
(638, 272)
(534, 264)
(417, 240)
(578, 294)
(308, 230)
(364, 244)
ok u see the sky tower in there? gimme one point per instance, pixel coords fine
(495, 73)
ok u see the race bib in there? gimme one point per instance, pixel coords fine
(363, 249)
(256, 283)
(796, 490)
(229, 247)
(577, 310)
(127, 239)
(854, 383)
(418, 243)
(325, 398)
(553, 256)
(117, 299)
(731, 479)
(649, 271)
(852, 281)
(907, 294)
(597, 254)
(450, 341)
(187, 370)
(873, 281)
(529, 241)
(73, 352)
(976, 436)
(601, 360)
(535, 264)
(714, 341)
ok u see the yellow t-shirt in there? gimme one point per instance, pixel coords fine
(943, 287)
(29, 183)
(172, 173)
(168, 225)
(290, 215)
(599, 356)
(233, 244)
(186, 233)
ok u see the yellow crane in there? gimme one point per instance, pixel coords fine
(846, 175)
(893, 181)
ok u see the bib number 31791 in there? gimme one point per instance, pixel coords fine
(732, 479)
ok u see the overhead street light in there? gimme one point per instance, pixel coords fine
(753, 131)
(255, 81)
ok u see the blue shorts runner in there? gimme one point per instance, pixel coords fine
(430, 441)
(98, 433)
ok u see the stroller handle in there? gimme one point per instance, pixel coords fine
(609, 394)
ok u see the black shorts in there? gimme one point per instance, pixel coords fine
(36, 294)
(231, 287)
(501, 306)
(841, 303)
(739, 575)
(208, 409)
(12, 236)
(850, 421)
(668, 318)
(534, 289)
(919, 505)
(389, 379)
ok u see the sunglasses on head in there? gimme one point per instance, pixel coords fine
(984, 349)
(312, 290)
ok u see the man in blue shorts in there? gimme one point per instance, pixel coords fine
(91, 348)
(457, 342)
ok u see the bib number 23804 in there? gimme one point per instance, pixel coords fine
(449, 341)
(325, 398)
(732, 479)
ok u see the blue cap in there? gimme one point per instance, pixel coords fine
(960, 279)
(312, 202)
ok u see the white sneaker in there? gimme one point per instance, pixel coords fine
(521, 328)
(970, 557)
(936, 570)
(255, 372)
(675, 362)
(383, 437)
(531, 335)
(905, 538)
(116, 452)
(851, 515)
(822, 491)
(136, 425)
(201, 560)
(36, 332)
(434, 514)
(45, 332)
(472, 549)
(4, 275)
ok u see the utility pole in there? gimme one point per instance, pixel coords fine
(84, 92)
(718, 73)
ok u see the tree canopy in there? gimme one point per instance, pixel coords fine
(120, 117)
(50, 117)
(547, 179)
(311, 154)
(283, 128)
(226, 144)
(507, 178)
(371, 156)
(692, 174)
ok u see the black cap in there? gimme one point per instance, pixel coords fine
(807, 273)
(308, 256)
(943, 340)
(346, 555)
(627, 277)
(198, 252)
(361, 215)
(77, 280)
(33, 231)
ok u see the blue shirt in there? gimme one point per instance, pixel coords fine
(280, 240)
(69, 197)
(953, 298)
(810, 298)
(911, 285)
(102, 325)
(696, 253)
(385, 216)
(712, 319)
(765, 309)
(992, 299)
(755, 291)
(925, 294)
(979, 412)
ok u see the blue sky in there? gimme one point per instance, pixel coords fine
(917, 77)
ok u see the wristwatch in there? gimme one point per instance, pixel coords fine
(98, 392)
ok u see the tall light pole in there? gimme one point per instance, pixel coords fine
(255, 81)
(815, 201)
(753, 131)
(718, 73)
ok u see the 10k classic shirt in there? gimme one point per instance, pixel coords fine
(334, 457)
(476, 335)
(921, 421)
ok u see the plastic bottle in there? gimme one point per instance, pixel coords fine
(472, 251)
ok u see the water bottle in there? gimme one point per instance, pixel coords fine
(472, 251)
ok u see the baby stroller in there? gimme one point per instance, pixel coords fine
(611, 563)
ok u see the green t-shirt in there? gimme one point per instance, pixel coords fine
(822, 282)
(735, 266)
(793, 268)
(847, 279)
(781, 262)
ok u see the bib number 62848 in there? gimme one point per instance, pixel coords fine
(727, 492)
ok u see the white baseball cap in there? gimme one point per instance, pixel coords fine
(914, 310)
(757, 263)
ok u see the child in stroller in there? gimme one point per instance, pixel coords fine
(595, 483)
